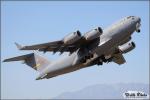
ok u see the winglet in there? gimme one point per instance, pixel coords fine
(18, 46)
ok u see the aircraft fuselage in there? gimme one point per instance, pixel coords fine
(110, 38)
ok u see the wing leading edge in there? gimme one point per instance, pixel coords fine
(56, 46)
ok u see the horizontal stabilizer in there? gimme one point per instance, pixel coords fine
(18, 58)
(33, 60)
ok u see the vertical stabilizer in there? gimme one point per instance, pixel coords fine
(33, 60)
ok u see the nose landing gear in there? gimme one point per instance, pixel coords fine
(138, 27)
(138, 30)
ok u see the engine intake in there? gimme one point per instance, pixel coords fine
(126, 47)
(71, 38)
(93, 34)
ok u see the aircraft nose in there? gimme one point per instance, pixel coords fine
(138, 23)
(138, 19)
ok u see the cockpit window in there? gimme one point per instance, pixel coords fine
(130, 17)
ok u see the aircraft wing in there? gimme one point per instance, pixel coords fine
(69, 43)
(39, 46)
(119, 59)
(49, 46)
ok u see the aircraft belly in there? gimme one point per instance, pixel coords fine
(66, 69)
(61, 66)
(63, 71)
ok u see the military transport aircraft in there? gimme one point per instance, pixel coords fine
(96, 46)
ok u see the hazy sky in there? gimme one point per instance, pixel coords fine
(29, 22)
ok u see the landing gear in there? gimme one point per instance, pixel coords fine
(99, 63)
(83, 60)
(89, 56)
(109, 60)
(103, 59)
(138, 30)
(138, 27)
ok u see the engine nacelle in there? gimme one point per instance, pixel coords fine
(93, 34)
(127, 47)
(71, 38)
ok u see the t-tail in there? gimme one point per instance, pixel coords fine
(33, 60)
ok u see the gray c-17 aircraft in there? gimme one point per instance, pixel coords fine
(94, 47)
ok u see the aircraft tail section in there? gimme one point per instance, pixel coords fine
(33, 60)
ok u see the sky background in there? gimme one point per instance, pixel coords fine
(38, 22)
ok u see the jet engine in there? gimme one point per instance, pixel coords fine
(93, 34)
(126, 47)
(71, 38)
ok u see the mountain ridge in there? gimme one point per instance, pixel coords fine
(104, 91)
